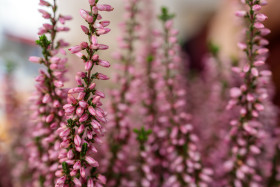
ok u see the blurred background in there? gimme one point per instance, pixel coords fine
(198, 21)
(20, 20)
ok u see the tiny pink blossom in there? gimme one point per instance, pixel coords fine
(91, 161)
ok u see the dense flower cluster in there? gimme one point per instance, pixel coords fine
(247, 133)
(120, 124)
(48, 99)
(86, 118)
(166, 127)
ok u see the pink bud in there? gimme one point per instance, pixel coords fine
(83, 118)
(91, 161)
(46, 98)
(95, 57)
(75, 49)
(65, 143)
(58, 84)
(83, 172)
(88, 65)
(250, 97)
(104, 7)
(243, 111)
(95, 10)
(89, 135)
(59, 173)
(104, 63)
(103, 47)
(35, 59)
(240, 13)
(168, 24)
(255, 72)
(262, 51)
(94, 40)
(242, 46)
(77, 140)
(81, 129)
(44, 3)
(49, 118)
(92, 86)
(91, 2)
(73, 173)
(79, 111)
(77, 165)
(90, 183)
(101, 76)
(91, 110)
(103, 31)
(261, 17)
(254, 149)
(45, 14)
(104, 23)
(81, 95)
(258, 25)
(266, 73)
(71, 99)
(235, 92)
(65, 133)
(83, 104)
(257, 8)
(77, 182)
(85, 29)
(70, 154)
(265, 31)
(76, 90)
(61, 180)
(78, 80)
(86, 16)
(259, 63)
(102, 179)
(84, 45)
(96, 99)
(101, 94)
(259, 107)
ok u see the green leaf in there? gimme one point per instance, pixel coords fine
(43, 41)
(165, 15)
(150, 58)
(84, 150)
(213, 48)
(65, 168)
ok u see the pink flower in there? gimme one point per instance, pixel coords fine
(102, 76)
(75, 49)
(104, 7)
(235, 92)
(85, 29)
(77, 140)
(35, 59)
(104, 63)
(240, 13)
(91, 161)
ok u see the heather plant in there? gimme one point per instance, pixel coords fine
(247, 132)
(85, 117)
(48, 99)
(120, 124)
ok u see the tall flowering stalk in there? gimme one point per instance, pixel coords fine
(119, 136)
(48, 99)
(184, 160)
(247, 132)
(150, 161)
(84, 127)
